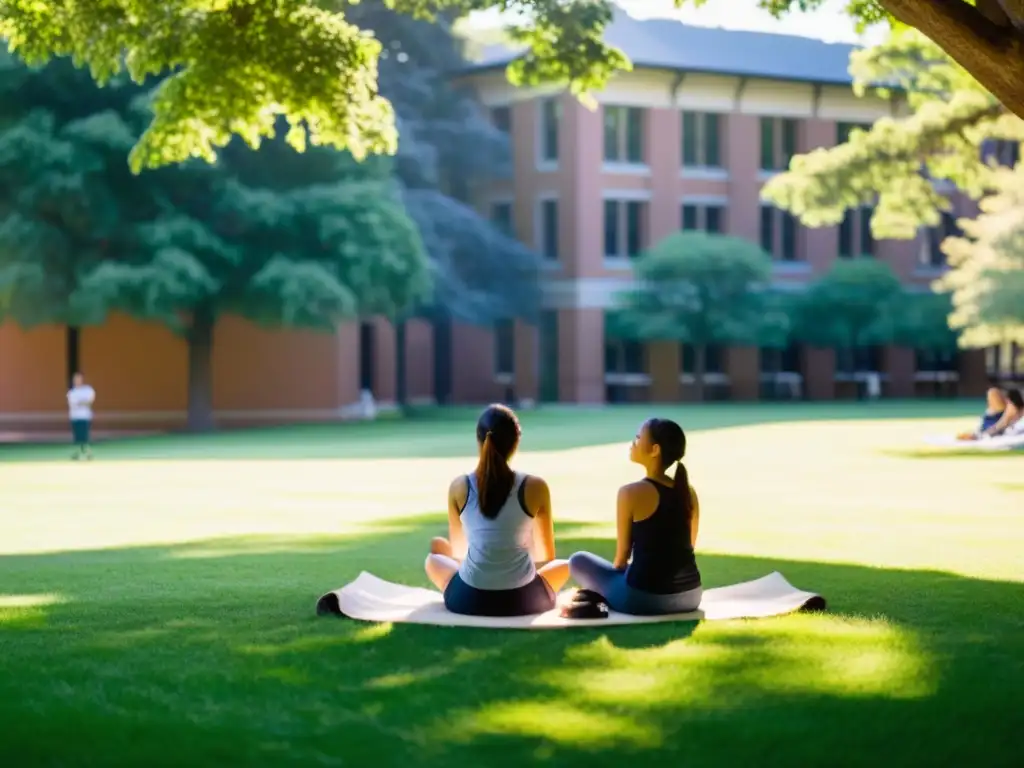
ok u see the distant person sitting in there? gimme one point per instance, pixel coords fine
(486, 566)
(996, 404)
(80, 399)
(657, 520)
(1012, 421)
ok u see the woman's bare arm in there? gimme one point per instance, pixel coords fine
(695, 517)
(623, 527)
(538, 503)
(457, 494)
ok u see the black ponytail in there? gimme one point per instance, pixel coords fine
(669, 436)
(498, 433)
(682, 487)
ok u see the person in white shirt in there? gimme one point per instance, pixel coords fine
(80, 399)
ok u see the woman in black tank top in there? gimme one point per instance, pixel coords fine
(655, 569)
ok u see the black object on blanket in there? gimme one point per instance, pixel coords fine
(585, 604)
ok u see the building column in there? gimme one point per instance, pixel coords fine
(526, 359)
(665, 158)
(419, 361)
(581, 204)
(347, 342)
(664, 364)
(581, 351)
(384, 368)
(742, 147)
(973, 372)
(820, 245)
(819, 372)
(900, 365)
(743, 365)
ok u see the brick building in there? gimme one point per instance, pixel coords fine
(686, 140)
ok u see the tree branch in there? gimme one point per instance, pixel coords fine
(992, 53)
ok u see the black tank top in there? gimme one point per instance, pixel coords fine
(663, 559)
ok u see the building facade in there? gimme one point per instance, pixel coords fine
(684, 141)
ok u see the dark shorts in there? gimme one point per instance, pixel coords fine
(80, 429)
(535, 597)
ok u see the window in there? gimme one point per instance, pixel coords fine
(704, 217)
(501, 217)
(504, 347)
(702, 140)
(931, 255)
(625, 357)
(550, 124)
(843, 130)
(714, 359)
(624, 228)
(779, 234)
(781, 360)
(778, 142)
(549, 229)
(624, 135)
(855, 238)
(501, 118)
(1000, 152)
(935, 361)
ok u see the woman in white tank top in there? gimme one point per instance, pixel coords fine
(497, 520)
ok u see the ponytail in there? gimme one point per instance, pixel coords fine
(681, 486)
(494, 479)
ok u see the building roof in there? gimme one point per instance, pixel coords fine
(671, 45)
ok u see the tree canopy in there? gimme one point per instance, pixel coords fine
(986, 281)
(274, 236)
(235, 66)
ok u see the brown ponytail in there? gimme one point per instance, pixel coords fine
(498, 432)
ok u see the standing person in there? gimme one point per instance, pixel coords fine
(657, 520)
(486, 566)
(80, 399)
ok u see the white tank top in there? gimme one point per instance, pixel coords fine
(500, 549)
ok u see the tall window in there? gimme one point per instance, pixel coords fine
(855, 238)
(843, 130)
(504, 347)
(781, 360)
(501, 217)
(778, 142)
(779, 234)
(624, 356)
(931, 255)
(624, 228)
(714, 359)
(703, 217)
(550, 127)
(624, 135)
(859, 360)
(549, 229)
(702, 140)
(501, 118)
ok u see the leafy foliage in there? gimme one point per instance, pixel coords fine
(921, 321)
(699, 288)
(893, 165)
(987, 275)
(850, 306)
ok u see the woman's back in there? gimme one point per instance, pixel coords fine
(499, 548)
(663, 558)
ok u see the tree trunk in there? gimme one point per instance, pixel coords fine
(990, 50)
(401, 384)
(700, 364)
(200, 372)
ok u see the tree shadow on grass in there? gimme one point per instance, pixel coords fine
(210, 654)
(448, 432)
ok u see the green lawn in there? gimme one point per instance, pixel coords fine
(156, 605)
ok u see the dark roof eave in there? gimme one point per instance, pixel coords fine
(480, 69)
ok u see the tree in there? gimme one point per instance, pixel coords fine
(851, 306)
(274, 236)
(320, 73)
(986, 279)
(894, 164)
(700, 289)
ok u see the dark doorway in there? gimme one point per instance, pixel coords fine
(443, 359)
(71, 347)
(367, 356)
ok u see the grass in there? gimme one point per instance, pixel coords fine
(156, 606)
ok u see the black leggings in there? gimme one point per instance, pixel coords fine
(532, 598)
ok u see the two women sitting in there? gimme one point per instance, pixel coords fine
(495, 515)
(1004, 415)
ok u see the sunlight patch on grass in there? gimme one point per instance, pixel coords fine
(806, 655)
(558, 722)
(29, 601)
(26, 611)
